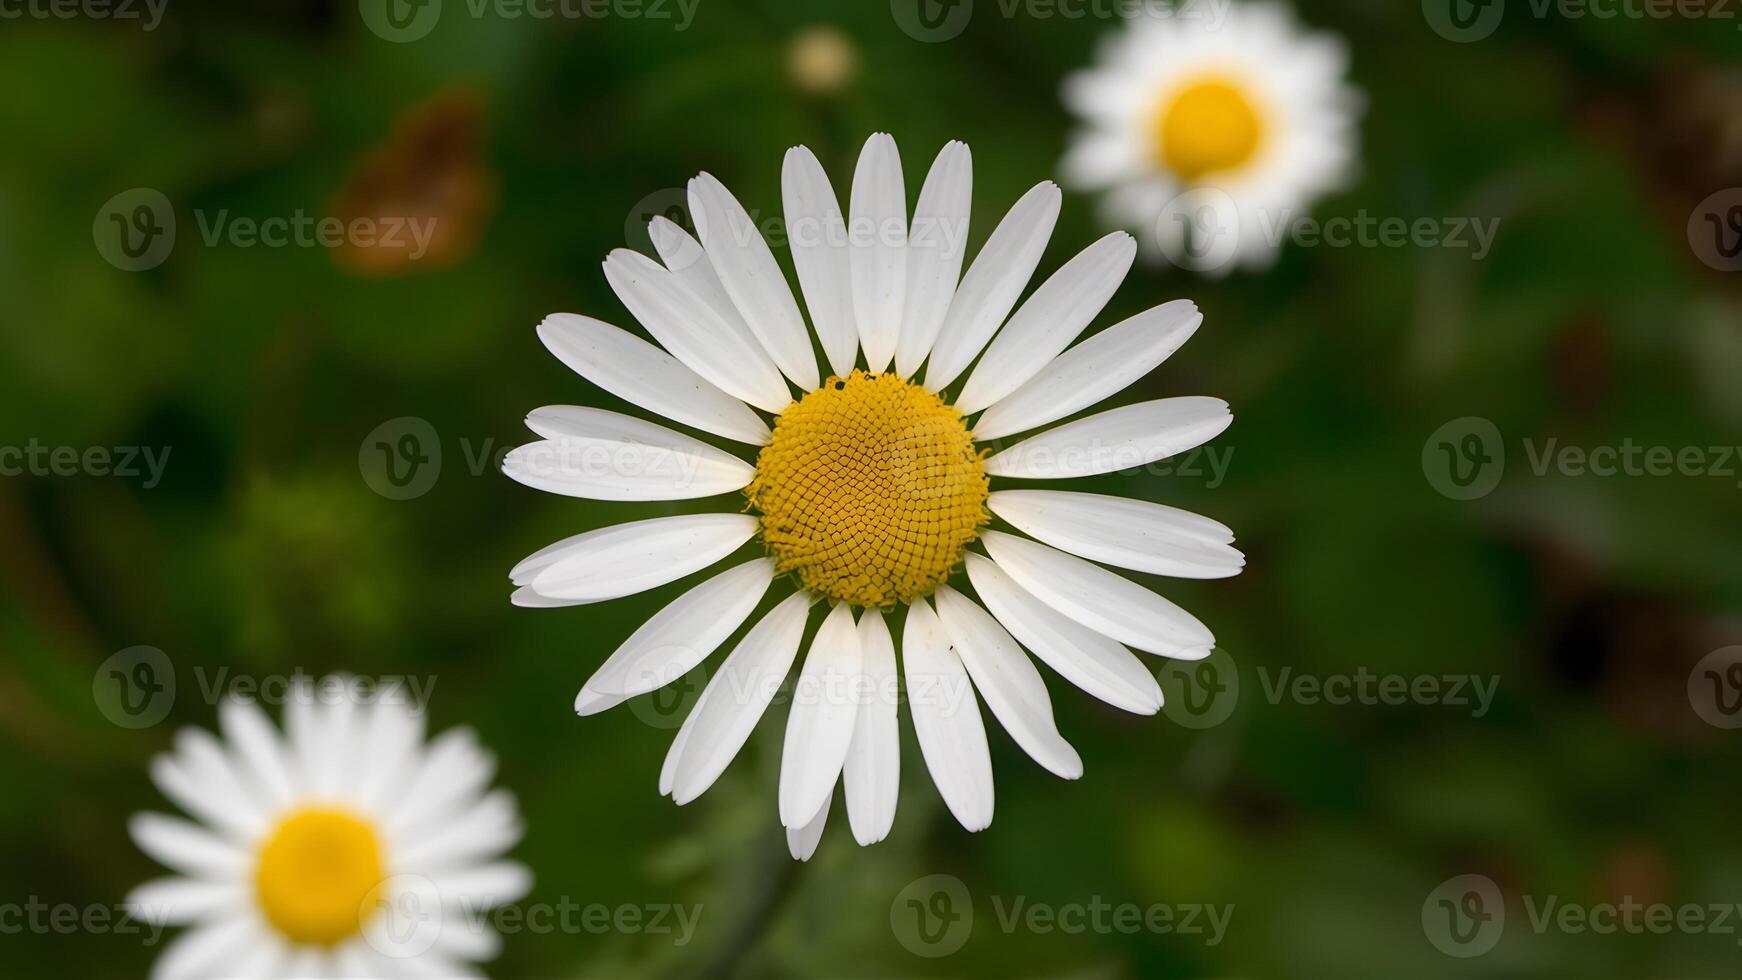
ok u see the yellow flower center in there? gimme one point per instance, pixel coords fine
(316, 870)
(870, 490)
(1210, 126)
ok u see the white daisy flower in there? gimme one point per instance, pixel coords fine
(346, 848)
(1213, 135)
(872, 485)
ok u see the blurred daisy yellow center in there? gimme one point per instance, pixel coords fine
(316, 870)
(1210, 126)
(869, 490)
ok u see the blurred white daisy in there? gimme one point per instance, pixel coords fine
(345, 848)
(1211, 129)
(872, 485)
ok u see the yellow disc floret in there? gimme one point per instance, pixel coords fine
(316, 870)
(870, 490)
(1209, 126)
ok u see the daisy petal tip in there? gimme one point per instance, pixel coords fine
(591, 702)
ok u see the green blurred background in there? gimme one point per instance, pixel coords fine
(542, 143)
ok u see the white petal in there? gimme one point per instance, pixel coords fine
(591, 702)
(816, 231)
(186, 847)
(261, 751)
(1006, 678)
(1117, 439)
(935, 245)
(395, 741)
(642, 374)
(337, 712)
(752, 279)
(801, 842)
(312, 963)
(674, 755)
(1099, 599)
(686, 325)
(871, 777)
(736, 697)
(465, 935)
(526, 598)
(682, 634)
(877, 245)
(454, 772)
(946, 718)
(993, 282)
(1092, 371)
(480, 832)
(628, 558)
(687, 260)
(1047, 323)
(209, 951)
(484, 886)
(1134, 534)
(267, 958)
(819, 726)
(305, 733)
(600, 455)
(1080, 655)
(179, 901)
(207, 792)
